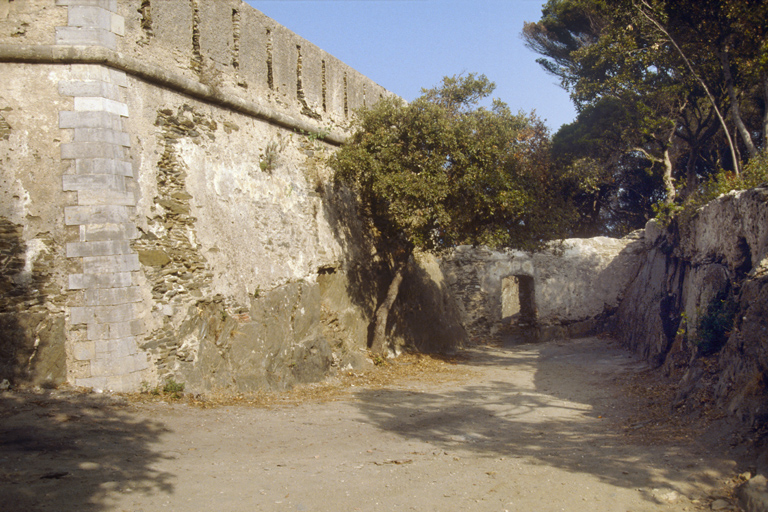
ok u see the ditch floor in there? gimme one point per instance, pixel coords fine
(567, 425)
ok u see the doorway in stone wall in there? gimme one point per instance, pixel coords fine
(518, 301)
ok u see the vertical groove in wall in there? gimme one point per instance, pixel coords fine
(146, 18)
(196, 61)
(305, 109)
(236, 39)
(299, 84)
(324, 86)
(270, 77)
(346, 97)
(364, 94)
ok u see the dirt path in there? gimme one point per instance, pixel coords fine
(535, 428)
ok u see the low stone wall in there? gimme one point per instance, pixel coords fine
(570, 289)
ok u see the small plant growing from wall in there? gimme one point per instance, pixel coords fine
(271, 155)
(715, 324)
(319, 135)
(173, 389)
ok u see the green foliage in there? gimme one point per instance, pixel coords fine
(715, 325)
(441, 171)
(321, 134)
(378, 360)
(669, 94)
(173, 388)
(664, 212)
(755, 173)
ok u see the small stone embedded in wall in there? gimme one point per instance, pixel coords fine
(5, 128)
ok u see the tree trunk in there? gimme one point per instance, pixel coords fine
(378, 344)
(669, 182)
(734, 110)
(765, 111)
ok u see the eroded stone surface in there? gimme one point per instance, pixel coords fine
(713, 264)
(574, 282)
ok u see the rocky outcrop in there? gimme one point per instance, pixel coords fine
(699, 304)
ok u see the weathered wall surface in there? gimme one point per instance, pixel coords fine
(575, 285)
(165, 207)
(33, 266)
(716, 263)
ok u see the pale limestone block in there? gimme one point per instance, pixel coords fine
(108, 231)
(81, 315)
(117, 77)
(124, 329)
(97, 214)
(117, 25)
(107, 365)
(89, 16)
(91, 72)
(109, 280)
(104, 197)
(111, 314)
(96, 332)
(103, 166)
(96, 383)
(82, 36)
(100, 184)
(112, 296)
(114, 263)
(101, 104)
(97, 119)
(110, 5)
(102, 135)
(84, 351)
(91, 89)
(103, 248)
(74, 150)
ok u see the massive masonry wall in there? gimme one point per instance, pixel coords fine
(165, 209)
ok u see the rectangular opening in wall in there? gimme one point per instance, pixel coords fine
(518, 301)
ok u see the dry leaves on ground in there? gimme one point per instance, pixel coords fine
(408, 367)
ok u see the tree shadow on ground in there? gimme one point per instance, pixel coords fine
(549, 416)
(66, 451)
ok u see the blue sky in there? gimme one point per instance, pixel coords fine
(405, 45)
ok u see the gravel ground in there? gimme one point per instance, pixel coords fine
(556, 426)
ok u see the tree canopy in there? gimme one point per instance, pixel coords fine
(443, 171)
(668, 94)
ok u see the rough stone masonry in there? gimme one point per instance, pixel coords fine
(164, 208)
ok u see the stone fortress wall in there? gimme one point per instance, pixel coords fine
(163, 208)
(166, 212)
